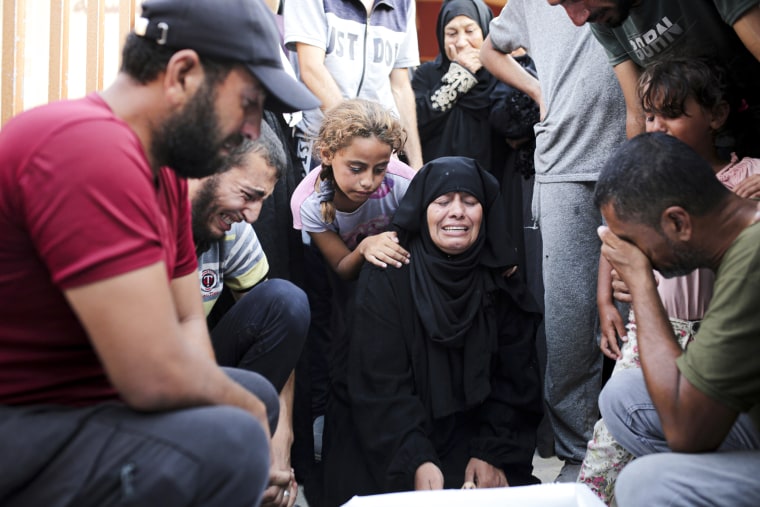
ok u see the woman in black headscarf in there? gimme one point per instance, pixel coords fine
(453, 92)
(442, 378)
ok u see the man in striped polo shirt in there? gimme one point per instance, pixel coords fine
(265, 328)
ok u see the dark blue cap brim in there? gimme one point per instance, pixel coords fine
(284, 93)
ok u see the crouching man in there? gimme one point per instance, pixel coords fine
(691, 417)
(109, 389)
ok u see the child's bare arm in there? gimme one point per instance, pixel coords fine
(342, 260)
(381, 250)
(610, 322)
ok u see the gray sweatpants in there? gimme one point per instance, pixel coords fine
(726, 477)
(568, 221)
(108, 454)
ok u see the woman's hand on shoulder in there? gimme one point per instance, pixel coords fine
(428, 476)
(383, 249)
(484, 475)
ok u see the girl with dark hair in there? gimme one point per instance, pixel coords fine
(689, 98)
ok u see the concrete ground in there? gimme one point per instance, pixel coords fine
(545, 469)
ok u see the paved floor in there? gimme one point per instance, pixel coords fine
(545, 469)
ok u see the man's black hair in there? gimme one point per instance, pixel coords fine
(652, 172)
(144, 60)
(268, 145)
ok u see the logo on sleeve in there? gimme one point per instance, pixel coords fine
(209, 280)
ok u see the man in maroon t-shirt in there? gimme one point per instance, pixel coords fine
(109, 391)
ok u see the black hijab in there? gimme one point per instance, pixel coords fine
(478, 11)
(451, 293)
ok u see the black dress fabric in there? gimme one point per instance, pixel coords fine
(464, 129)
(442, 363)
(513, 115)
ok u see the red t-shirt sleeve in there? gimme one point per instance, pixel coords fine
(90, 204)
(178, 213)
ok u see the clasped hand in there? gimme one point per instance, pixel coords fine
(477, 474)
(282, 490)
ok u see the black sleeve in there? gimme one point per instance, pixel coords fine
(436, 93)
(424, 83)
(513, 113)
(510, 415)
(390, 419)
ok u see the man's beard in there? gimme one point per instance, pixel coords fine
(687, 259)
(202, 210)
(620, 14)
(189, 141)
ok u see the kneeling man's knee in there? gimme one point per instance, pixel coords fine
(621, 392)
(238, 466)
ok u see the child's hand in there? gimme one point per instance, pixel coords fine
(749, 187)
(620, 289)
(383, 249)
(611, 326)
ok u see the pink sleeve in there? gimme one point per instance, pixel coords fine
(738, 170)
(396, 166)
(301, 193)
(687, 297)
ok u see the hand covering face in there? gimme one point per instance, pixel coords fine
(476, 10)
(478, 97)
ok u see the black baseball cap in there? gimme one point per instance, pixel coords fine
(243, 31)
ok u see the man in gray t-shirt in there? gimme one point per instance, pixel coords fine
(582, 121)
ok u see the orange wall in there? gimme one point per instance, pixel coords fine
(427, 14)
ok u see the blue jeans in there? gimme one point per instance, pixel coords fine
(264, 331)
(109, 454)
(659, 477)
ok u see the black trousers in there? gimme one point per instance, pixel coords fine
(264, 331)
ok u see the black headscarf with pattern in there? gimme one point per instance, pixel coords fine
(478, 11)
